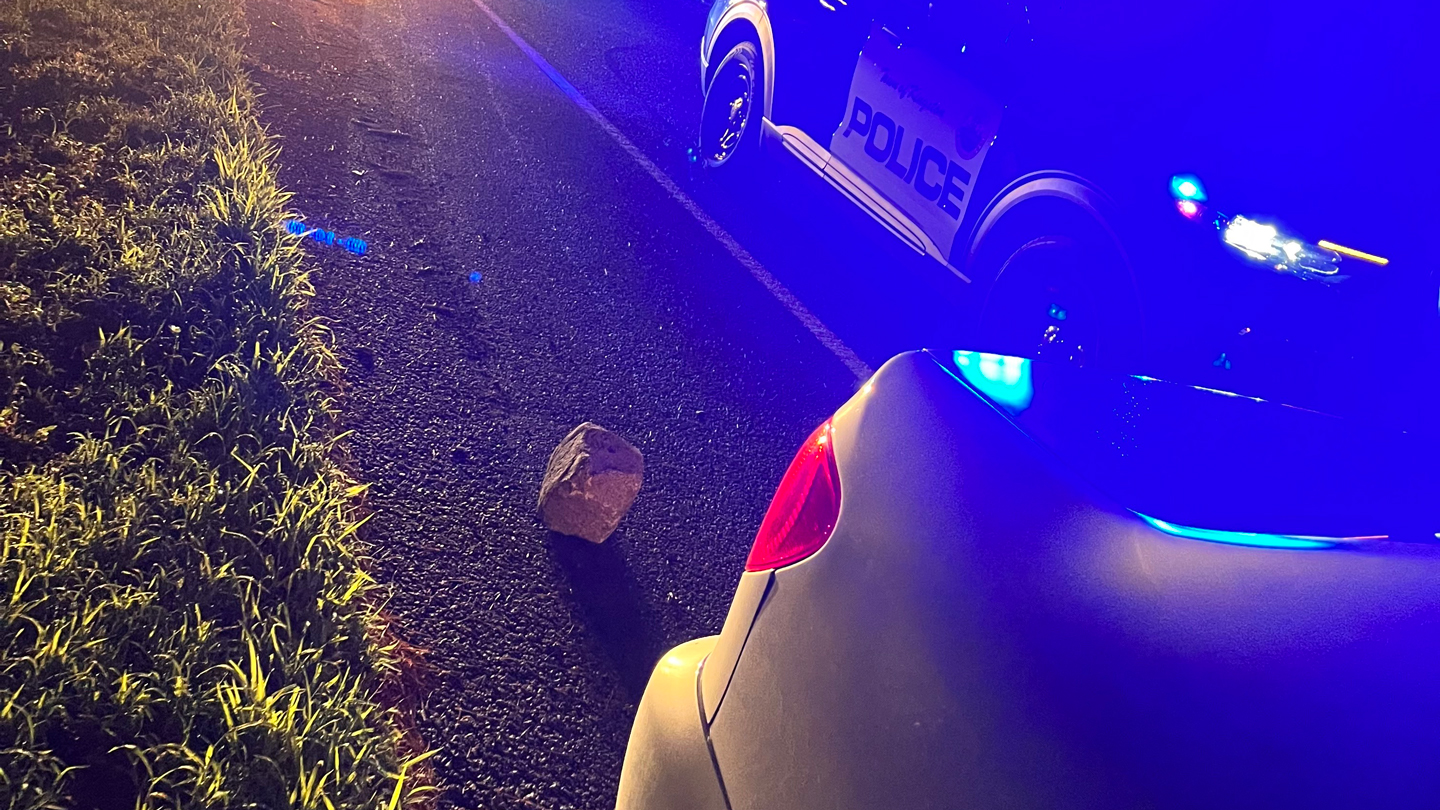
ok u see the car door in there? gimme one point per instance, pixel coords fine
(924, 107)
(815, 46)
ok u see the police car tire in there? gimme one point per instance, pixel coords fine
(744, 56)
(1093, 283)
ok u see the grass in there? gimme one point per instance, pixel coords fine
(184, 621)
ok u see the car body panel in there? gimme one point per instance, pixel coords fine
(720, 662)
(1071, 188)
(848, 182)
(916, 131)
(668, 764)
(811, 83)
(986, 628)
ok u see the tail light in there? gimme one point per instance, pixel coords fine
(805, 507)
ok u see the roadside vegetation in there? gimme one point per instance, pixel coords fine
(183, 618)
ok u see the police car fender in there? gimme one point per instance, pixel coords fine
(727, 12)
(1072, 188)
(918, 133)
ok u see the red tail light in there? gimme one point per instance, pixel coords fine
(805, 507)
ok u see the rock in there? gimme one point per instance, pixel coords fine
(590, 483)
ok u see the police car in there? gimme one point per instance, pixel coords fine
(1232, 194)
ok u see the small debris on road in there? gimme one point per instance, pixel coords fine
(393, 174)
(365, 357)
(350, 243)
(374, 128)
(590, 483)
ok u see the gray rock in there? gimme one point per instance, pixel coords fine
(590, 483)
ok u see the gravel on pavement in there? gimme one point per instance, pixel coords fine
(523, 276)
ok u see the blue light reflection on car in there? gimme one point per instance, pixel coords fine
(1007, 382)
(1241, 538)
(1004, 380)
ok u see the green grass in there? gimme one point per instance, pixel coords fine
(183, 619)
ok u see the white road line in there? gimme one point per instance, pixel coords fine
(786, 298)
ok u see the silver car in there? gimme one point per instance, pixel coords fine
(989, 582)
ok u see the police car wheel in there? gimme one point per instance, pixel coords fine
(728, 125)
(1058, 298)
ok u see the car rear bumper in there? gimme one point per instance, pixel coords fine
(668, 764)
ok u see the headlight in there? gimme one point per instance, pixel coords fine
(1266, 244)
(1286, 254)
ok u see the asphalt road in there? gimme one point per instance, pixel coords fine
(527, 273)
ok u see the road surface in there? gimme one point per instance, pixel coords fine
(528, 271)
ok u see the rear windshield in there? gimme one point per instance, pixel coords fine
(1211, 460)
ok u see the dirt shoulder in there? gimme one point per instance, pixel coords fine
(420, 128)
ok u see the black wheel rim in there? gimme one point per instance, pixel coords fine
(727, 113)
